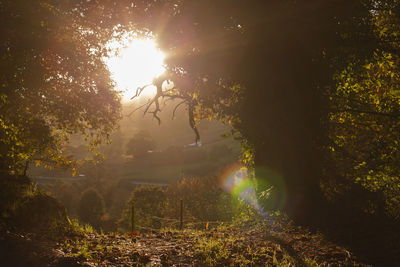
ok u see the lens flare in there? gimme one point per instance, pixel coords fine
(236, 181)
(272, 187)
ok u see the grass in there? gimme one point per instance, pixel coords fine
(81, 229)
(234, 251)
(211, 250)
(224, 245)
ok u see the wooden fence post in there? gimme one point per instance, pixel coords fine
(176, 209)
(181, 217)
(133, 218)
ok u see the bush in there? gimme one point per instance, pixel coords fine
(12, 190)
(25, 208)
(149, 202)
(203, 201)
(202, 197)
(91, 208)
(40, 212)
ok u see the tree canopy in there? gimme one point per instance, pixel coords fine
(53, 82)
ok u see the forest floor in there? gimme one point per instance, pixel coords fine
(250, 245)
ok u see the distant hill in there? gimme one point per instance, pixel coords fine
(176, 154)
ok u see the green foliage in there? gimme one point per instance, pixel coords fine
(81, 229)
(212, 251)
(91, 207)
(364, 130)
(247, 155)
(82, 249)
(53, 83)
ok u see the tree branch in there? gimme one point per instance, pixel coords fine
(139, 90)
(176, 107)
(169, 95)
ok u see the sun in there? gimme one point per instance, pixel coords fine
(135, 63)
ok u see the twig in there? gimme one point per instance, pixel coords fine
(139, 90)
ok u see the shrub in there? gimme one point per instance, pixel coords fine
(40, 212)
(12, 190)
(26, 208)
(149, 203)
(202, 198)
(91, 207)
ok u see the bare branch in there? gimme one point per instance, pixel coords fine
(139, 90)
(192, 122)
(170, 95)
(176, 107)
(130, 113)
(149, 105)
(155, 112)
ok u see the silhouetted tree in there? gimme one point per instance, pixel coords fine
(140, 144)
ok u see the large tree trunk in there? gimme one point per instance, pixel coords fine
(294, 174)
(283, 114)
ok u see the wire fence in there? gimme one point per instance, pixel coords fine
(175, 224)
(157, 222)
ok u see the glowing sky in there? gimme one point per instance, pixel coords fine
(135, 63)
